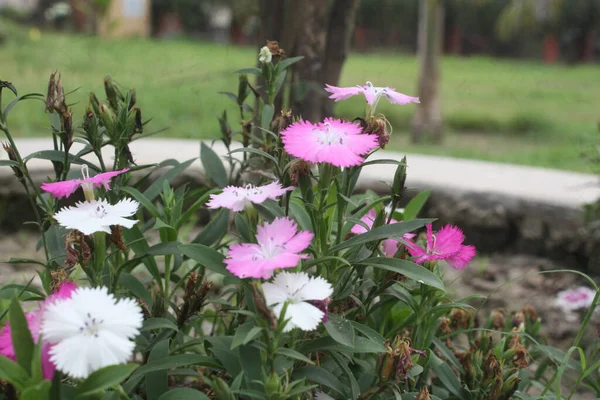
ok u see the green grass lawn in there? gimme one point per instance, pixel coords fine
(510, 111)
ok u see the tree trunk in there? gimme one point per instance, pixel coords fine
(310, 44)
(427, 122)
(589, 45)
(339, 36)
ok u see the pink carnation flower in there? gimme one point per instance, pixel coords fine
(34, 321)
(574, 299)
(446, 244)
(390, 246)
(67, 188)
(333, 141)
(237, 198)
(278, 246)
(371, 93)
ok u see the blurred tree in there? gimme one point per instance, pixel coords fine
(320, 31)
(541, 16)
(427, 123)
(579, 25)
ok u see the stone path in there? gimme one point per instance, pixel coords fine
(547, 186)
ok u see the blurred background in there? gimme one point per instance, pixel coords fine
(504, 80)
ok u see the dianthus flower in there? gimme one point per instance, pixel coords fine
(574, 299)
(372, 93)
(237, 198)
(297, 290)
(446, 244)
(91, 330)
(390, 246)
(333, 141)
(34, 321)
(97, 215)
(278, 246)
(67, 188)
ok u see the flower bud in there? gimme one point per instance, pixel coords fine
(113, 94)
(282, 121)
(132, 99)
(222, 390)
(399, 180)
(13, 157)
(509, 387)
(273, 386)
(108, 119)
(491, 368)
(94, 103)
(530, 314)
(497, 320)
(299, 169)
(242, 88)
(387, 364)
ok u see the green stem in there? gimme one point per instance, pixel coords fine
(99, 254)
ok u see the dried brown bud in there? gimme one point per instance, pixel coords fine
(491, 367)
(72, 257)
(299, 169)
(518, 319)
(282, 121)
(520, 358)
(66, 122)
(529, 312)
(405, 363)
(460, 318)
(58, 278)
(498, 320)
(378, 126)
(13, 157)
(116, 237)
(139, 124)
(55, 99)
(445, 325)
(273, 46)
(423, 394)
(86, 252)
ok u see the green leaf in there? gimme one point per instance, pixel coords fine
(242, 226)
(20, 335)
(205, 256)
(267, 116)
(144, 201)
(409, 269)
(157, 382)
(56, 155)
(300, 214)
(105, 378)
(135, 287)
(157, 186)
(283, 64)
(213, 166)
(8, 163)
(174, 361)
(291, 353)
(13, 373)
(383, 232)
(447, 377)
(220, 346)
(255, 151)
(321, 376)
(184, 394)
(343, 363)
(244, 334)
(270, 209)
(41, 391)
(415, 205)
(214, 231)
(158, 323)
(251, 362)
(340, 330)
(252, 71)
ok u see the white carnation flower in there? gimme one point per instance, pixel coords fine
(296, 289)
(91, 330)
(265, 55)
(97, 215)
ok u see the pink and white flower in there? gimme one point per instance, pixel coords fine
(372, 93)
(298, 290)
(333, 141)
(67, 188)
(237, 198)
(390, 246)
(446, 244)
(574, 299)
(34, 321)
(278, 246)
